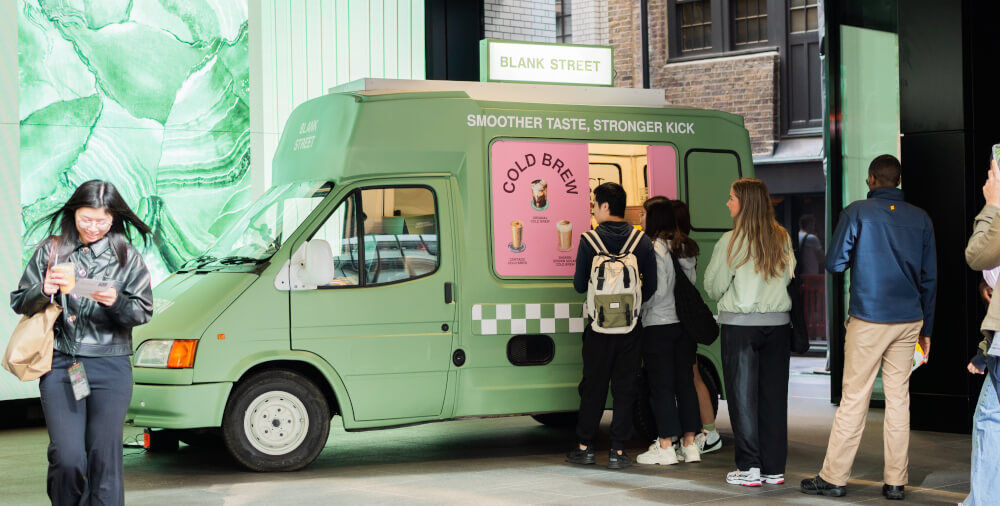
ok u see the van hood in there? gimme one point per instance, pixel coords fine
(185, 304)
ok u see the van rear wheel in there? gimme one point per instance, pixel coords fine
(276, 421)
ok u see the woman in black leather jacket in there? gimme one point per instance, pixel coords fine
(95, 331)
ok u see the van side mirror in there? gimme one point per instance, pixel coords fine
(311, 266)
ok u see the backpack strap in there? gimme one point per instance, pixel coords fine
(595, 241)
(632, 242)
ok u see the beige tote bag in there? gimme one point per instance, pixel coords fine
(29, 352)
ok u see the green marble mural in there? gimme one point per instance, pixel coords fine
(152, 95)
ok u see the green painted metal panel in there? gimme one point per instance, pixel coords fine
(383, 348)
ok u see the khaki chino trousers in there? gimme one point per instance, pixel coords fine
(867, 346)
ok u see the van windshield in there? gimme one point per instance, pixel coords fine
(260, 230)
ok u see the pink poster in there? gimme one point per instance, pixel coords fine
(541, 205)
(662, 163)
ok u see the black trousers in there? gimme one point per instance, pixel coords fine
(668, 355)
(614, 359)
(85, 437)
(755, 365)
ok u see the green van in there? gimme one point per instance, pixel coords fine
(412, 262)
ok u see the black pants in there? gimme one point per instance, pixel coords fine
(608, 358)
(668, 355)
(755, 365)
(85, 437)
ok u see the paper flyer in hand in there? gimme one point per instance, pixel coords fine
(86, 286)
(919, 358)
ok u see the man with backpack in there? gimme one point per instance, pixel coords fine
(608, 262)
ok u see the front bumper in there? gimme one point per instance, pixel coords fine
(178, 406)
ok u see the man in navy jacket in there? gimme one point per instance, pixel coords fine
(889, 247)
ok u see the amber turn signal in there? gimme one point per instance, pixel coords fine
(182, 354)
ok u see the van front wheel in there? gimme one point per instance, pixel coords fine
(276, 421)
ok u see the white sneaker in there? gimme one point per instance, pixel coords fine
(691, 453)
(657, 455)
(773, 479)
(708, 441)
(749, 478)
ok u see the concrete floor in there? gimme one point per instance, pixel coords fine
(506, 460)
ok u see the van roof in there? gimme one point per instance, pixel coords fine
(376, 127)
(509, 92)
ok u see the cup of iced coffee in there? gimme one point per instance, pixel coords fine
(68, 270)
(516, 235)
(565, 229)
(539, 194)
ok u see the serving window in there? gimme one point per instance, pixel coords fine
(541, 194)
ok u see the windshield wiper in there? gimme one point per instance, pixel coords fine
(237, 260)
(198, 262)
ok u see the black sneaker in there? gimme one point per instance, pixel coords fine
(893, 492)
(578, 456)
(819, 486)
(618, 460)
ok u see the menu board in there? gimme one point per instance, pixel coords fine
(541, 205)
(662, 164)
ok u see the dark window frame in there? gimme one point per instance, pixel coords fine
(722, 15)
(359, 224)
(813, 126)
(734, 21)
(564, 20)
(687, 181)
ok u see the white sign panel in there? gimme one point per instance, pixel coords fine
(547, 63)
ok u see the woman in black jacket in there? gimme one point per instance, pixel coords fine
(84, 412)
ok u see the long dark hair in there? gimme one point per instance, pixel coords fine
(755, 227)
(661, 223)
(98, 195)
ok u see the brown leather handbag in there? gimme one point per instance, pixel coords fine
(29, 352)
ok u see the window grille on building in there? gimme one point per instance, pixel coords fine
(749, 22)
(564, 24)
(803, 16)
(695, 25)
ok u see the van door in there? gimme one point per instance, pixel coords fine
(383, 321)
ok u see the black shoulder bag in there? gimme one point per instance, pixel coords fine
(695, 317)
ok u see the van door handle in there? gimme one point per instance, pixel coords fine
(448, 295)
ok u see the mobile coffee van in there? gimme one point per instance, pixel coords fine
(412, 262)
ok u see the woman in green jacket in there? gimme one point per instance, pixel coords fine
(749, 273)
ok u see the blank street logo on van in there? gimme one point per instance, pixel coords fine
(306, 141)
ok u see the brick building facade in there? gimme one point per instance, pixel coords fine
(525, 20)
(746, 84)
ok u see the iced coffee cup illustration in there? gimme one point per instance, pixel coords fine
(539, 194)
(516, 236)
(565, 229)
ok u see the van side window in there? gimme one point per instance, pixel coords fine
(341, 231)
(709, 175)
(401, 233)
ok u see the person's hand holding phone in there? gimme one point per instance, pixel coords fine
(991, 190)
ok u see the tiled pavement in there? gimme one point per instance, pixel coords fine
(506, 461)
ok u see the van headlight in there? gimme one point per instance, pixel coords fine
(166, 353)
